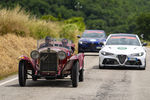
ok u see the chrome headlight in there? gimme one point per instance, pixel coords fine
(34, 54)
(61, 55)
(138, 54)
(106, 53)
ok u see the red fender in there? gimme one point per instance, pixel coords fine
(25, 58)
(80, 58)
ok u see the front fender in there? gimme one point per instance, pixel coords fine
(80, 58)
(30, 64)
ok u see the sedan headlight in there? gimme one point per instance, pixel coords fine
(61, 55)
(106, 53)
(138, 54)
(80, 42)
(34, 54)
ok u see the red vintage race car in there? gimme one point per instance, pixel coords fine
(53, 59)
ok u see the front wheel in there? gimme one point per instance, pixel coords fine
(75, 74)
(22, 74)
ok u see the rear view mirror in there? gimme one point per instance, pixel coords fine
(144, 44)
(78, 36)
(142, 36)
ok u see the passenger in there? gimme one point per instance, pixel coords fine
(65, 43)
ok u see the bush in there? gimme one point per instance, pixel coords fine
(79, 21)
(69, 31)
(18, 22)
(49, 18)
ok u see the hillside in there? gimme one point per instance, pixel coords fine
(110, 15)
(11, 47)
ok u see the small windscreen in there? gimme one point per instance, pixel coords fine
(42, 43)
(93, 34)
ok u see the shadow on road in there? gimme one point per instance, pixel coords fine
(46, 83)
(117, 68)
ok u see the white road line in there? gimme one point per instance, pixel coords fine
(8, 81)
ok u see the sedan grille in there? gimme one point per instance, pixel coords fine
(122, 58)
(48, 61)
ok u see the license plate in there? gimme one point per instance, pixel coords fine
(135, 59)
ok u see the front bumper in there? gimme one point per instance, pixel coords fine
(90, 47)
(126, 62)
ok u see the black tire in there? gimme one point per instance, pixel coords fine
(81, 76)
(79, 51)
(34, 78)
(144, 66)
(75, 74)
(22, 74)
(100, 67)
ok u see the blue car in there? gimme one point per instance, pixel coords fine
(91, 40)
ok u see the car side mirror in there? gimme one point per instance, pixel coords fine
(78, 36)
(144, 44)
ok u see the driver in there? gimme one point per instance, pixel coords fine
(64, 43)
(47, 42)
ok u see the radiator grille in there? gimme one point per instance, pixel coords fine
(48, 61)
(122, 58)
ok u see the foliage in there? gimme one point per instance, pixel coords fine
(78, 21)
(143, 25)
(110, 15)
(49, 18)
(18, 22)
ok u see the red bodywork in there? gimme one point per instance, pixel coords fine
(64, 66)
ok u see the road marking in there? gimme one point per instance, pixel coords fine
(8, 81)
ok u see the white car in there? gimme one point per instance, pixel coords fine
(124, 50)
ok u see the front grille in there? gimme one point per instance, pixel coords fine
(110, 61)
(92, 45)
(122, 58)
(130, 62)
(48, 61)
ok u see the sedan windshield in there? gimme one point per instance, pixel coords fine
(123, 40)
(93, 35)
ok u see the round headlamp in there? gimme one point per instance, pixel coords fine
(34, 54)
(61, 55)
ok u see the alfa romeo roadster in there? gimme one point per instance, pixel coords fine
(53, 59)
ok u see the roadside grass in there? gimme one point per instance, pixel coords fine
(11, 47)
(19, 32)
(22, 24)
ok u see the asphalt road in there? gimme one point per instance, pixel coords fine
(99, 84)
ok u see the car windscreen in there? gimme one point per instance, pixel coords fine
(53, 43)
(123, 40)
(93, 35)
